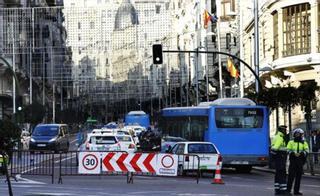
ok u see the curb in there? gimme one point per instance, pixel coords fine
(305, 175)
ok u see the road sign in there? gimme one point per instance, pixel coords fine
(132, 162)
(167, 165)
(89, 163)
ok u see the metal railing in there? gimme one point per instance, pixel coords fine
(32, 163)
(48, 163)
(187, 163)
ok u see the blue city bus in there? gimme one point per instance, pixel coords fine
(237, 126)
(137, 118)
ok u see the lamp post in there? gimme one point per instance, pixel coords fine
(256, 41)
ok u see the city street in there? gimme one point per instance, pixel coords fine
(257, 183)
(141, 97)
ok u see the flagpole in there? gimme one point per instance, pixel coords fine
(256, 41)
(218, 4)
(241, 55)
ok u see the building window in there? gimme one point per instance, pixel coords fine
(167, 4)
(91, 25)
(158, 9)
(228, 9)
(275, 36)
(79, 25)
(79, 37)
(296, 30)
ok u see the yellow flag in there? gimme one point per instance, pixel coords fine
(232, 69)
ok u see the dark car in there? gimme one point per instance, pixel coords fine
(168, 142)
(53, 137)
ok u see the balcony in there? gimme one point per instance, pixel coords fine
(12, 3)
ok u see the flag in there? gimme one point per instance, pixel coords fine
(232, 69)
(208, 17)
(213, 18)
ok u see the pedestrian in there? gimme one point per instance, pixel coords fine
(279, 155)
(315, 145)
(298, 150)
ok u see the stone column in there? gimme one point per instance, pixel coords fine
(314, 26)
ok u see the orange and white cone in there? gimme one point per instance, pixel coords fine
(217, 177)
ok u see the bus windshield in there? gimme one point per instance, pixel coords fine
(191, 128)
(239, 117)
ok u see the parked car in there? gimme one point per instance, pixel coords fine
(25, 139)
(205, 151)
(168, 142)
(50, 137)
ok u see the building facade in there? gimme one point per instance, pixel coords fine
(289, 43)
(33, 39)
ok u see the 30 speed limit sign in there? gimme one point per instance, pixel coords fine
(89, 163)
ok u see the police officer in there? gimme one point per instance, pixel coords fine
(279, 153)
(297, 149)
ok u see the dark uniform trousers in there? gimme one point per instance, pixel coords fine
(295, 172)
(280, 184)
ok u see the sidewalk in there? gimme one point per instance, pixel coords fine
(306, 174)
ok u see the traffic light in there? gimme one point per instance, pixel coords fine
(157, 54)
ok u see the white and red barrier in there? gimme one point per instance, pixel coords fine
(123, 162)
(159, 164)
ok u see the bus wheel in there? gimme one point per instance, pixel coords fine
(244, 169)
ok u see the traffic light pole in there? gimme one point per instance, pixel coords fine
(221, 53)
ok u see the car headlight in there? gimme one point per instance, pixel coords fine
(53, 139)
(32, 140)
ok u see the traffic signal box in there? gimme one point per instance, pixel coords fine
(157, 54)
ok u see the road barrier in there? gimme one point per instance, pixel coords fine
(32, 163)
(102, 163)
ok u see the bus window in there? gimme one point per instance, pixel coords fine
(239, 118)
(188, 127)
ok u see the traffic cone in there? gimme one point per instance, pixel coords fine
(217, 177)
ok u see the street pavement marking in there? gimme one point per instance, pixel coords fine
(73, 141)
(203, 194)
(49, 194)
(58, 161)
(313, 186)
(26, 181)
(31, 169)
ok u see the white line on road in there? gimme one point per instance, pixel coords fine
(313, 186)
(27, 181)
(58, 161)
(25, 171)
(73, 141)
(49, 194)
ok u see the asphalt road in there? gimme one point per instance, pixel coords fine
(257, 183)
